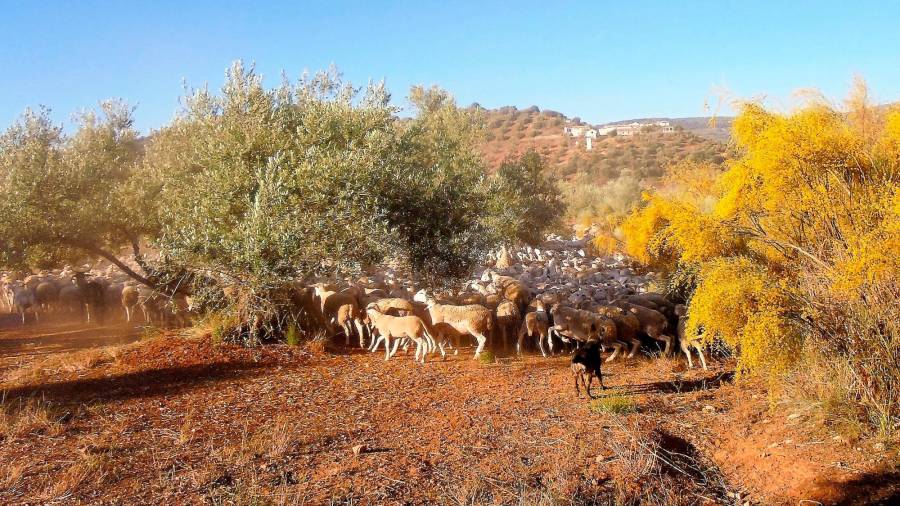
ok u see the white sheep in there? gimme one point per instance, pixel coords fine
(472, 319)
(399, 327)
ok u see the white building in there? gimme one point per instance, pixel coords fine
(575, 130)
(606, 130)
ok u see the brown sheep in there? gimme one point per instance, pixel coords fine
(508, 321)
(536, 323)
(653, 323)
(584, 326)
(684, 342)
(130, 296)
(330, 303)
(627, 327)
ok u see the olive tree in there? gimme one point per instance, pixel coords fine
(262, 187)
(525, 202)
(64, 199)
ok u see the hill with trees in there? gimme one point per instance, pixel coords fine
(608, 178)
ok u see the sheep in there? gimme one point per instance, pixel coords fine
(46, 295)
(512, 289)
(394, 306)
(508, 321)
(151, 304)
(473, 319)
(684, 342)
(446, 336)
(653, 323)
(586, 362)
(657, 302)
(331, 301)
(399, 327)
(130, 299)
(113, 294)
(585, 326)
(627, 326)
(23, 299)
(468, 299)
(492, 300)
(93, 294)
(346, 317)
(71, 300)
(536, 322)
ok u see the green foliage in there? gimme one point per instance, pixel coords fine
(315, 178)
(616, 404)
(486, 357)
(292, 336)
(64, 198)
(525, 203)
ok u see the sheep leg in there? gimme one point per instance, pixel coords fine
(362, 336)
(686, 349)
(482, 340)
(617, 347)
(577, 391)
(388, 353)
(668, 341)
(521, 339)
(635, 346)
(375, 343)
(702, 358)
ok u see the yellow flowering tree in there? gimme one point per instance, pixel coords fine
(795, 244)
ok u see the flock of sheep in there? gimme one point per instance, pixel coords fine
(92, 296)
(556, 295)
(546, 298)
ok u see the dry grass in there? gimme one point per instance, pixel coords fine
(89, 466)
(616, 404)
(27, 417)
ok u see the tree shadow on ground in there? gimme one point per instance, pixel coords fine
(679, 386)
(138, 384)
(881, 487)
(678, 456)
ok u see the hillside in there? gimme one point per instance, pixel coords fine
(512, 131)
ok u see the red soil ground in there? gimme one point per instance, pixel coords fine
(177, 420)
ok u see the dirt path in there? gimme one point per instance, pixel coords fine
(21, 344)
(187, 422)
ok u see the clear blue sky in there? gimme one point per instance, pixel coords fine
(600, 60)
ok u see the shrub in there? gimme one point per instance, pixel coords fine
(794, 246)
(486, 357)
(616, 404)
(525, 203)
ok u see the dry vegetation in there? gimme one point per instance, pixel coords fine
(511, 132)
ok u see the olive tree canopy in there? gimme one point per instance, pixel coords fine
(64, 199)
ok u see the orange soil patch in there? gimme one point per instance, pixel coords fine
(184, 421)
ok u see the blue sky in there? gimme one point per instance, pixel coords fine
(599, 60)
